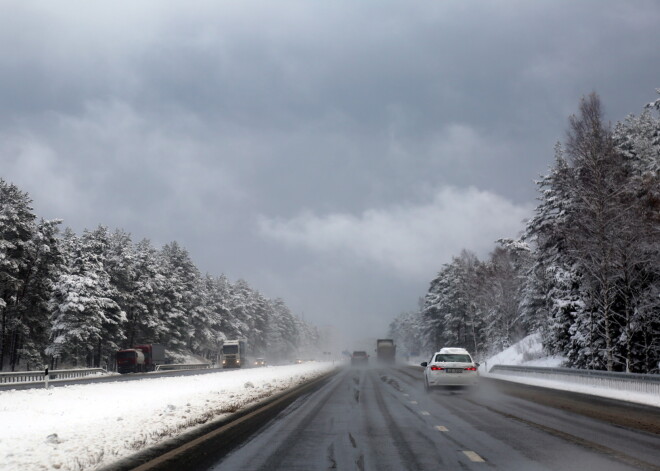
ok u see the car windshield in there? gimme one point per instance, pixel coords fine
(457, 357)
(359, 354)
(230, 349)
(124, 355)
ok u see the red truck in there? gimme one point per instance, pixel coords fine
(140, 358)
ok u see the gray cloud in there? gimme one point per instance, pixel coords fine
(408, 240)
(194, 122)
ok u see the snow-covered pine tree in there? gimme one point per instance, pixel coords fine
(281, 333)
(33, 327)
(145, 308)
(259, 323)
(449, 314)
(638, 141)
(599, 229)
(215, 301)
(204, 338)
(551, 292)
(241, 309)
(499, 299)
(180, 282)
(120, 264)
(225, 303)
(86, 321)
(28, 258)
(309, 337)
(406, 330)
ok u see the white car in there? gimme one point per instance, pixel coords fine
(450, 367)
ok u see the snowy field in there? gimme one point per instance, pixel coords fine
(86, 426)
(529, 352)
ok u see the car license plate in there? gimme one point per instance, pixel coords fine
(454, 370)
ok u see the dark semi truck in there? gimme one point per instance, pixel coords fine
(385, 350)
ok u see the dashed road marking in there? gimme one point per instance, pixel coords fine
(405, 394)
(474, 457)
(440, 428)
(413, 402)
(425, 413)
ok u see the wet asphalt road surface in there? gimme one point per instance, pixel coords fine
(381, 419)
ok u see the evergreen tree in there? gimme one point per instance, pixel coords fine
(16, 231)
(180, 282)
(449, 310)
(33, 327)
(86, 321)
(638, 141)
(282, 336)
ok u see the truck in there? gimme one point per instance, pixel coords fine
(140, 359)
(385, 350)
(234, 353)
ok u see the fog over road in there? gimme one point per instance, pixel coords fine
(381, 419)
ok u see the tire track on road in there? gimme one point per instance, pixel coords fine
(275, 459)
(400, 439)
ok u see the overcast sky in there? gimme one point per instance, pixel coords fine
(332, 153)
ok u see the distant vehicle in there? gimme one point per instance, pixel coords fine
(385, 350)
(234, 353)
(260, 362)
(450, 367)
(141, 358)
(299, 361)
(359, 358)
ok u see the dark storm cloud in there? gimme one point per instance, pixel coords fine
(250, 131)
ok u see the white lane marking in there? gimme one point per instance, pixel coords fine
(406, 394)
(425, 413)
(413, 402)
(440, 428)
(474, 457)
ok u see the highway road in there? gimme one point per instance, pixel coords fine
(381, 419)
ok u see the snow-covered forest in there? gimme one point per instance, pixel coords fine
(585, 271)
(73, 300)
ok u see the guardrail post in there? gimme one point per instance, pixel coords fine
(46, 377)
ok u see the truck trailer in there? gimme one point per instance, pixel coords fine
(140, 359)
(234, 353)
(385, 350)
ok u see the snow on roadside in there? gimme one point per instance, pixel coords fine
(625, 396)
(80, 427)
(529, 352)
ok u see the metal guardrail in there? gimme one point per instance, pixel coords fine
(16, 377)
(191, 366)
(38, 376)
(632, 382)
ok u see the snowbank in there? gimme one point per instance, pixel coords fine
(625, 396)
(80, 427)
(529, 352)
